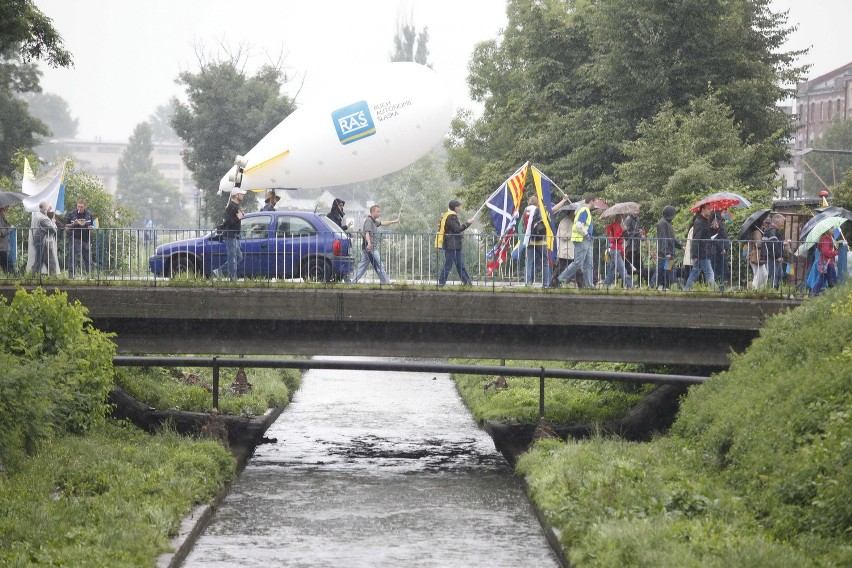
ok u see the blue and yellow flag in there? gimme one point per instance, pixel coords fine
(545, 202)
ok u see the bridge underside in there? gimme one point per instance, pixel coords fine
(341, 320)
(429, 340)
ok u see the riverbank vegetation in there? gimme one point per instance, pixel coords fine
(583, 402)
(756, 471)
(78, 488)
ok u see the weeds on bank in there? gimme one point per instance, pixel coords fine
(566, 401)
(189, 388)
(756, 471)
(110, 498)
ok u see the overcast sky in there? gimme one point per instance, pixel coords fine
(128, 54)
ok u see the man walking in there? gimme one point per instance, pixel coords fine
(702, 248)
(370, 246)
(449, 238)
(79, 224)
(230, 227)
(773, 242)
(581, 237)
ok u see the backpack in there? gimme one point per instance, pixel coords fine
(539, 229)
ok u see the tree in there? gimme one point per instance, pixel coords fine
(52, 110)
(681, 156)
(19, 130)
(570, 81)
(24, 28)
(142, 186)
(226, 114)
(161, 124)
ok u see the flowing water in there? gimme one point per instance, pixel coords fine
(375, 469)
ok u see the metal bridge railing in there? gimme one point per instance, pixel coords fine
(217, 363)
(123, 255)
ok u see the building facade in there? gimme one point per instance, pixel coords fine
(821, 102)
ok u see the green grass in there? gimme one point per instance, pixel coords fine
(566, 401)
(170, 389)
(756, 471)
(110, 498)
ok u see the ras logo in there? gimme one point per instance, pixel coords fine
(353, 122)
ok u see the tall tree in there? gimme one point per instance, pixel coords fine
(52, 110)
(26, 36)
(19, 130)
(25, 29)
(142, 187)
(161, 124)
(569, 82)
(227, 112)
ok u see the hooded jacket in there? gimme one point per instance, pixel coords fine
(666, 242)
(336, 213)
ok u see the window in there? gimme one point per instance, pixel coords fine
(294, 227)
(256, 227)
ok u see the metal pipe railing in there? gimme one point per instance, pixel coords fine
(216, 363)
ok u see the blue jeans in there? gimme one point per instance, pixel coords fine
(701, 265)
(829, 279)
(80, 255)
(536, 256)
(235, 255)
(617, 268)
(454, 258)
(371, 258)
(665, 278)
(776, 272)
(583, 260)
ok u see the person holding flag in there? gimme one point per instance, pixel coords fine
(536, 240)
(503, 207)
(449, 238)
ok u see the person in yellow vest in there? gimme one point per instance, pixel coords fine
(581, 237)
(449, 238)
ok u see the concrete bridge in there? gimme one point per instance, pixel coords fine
(657, 328)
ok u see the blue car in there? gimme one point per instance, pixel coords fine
(275, 244)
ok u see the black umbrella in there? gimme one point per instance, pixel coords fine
(8, 198)
(825, 214)
(753, 222)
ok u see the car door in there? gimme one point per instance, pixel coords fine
(258, 248)
(295, 238)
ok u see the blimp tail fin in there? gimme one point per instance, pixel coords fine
(266, 162)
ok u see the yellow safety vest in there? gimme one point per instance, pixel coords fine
(439, 238)
(576, 235)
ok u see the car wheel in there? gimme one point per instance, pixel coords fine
(183, 266)
(316, 270)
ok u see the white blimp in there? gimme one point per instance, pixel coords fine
(359, 129)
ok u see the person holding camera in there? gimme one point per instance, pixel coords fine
(79, 224)
(230, 227)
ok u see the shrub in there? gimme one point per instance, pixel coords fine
(58, 369)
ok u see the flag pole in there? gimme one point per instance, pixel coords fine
(478, 211)
(553, 183)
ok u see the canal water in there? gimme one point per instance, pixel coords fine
(375, 469)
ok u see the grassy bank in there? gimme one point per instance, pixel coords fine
(756, 471)
(566, 401)
(78, 488)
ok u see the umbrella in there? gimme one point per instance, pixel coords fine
(595, 205)
(625, 208)
(817, 231)
(8, 198)
(753, 221)
(826, 213)
(716, 203)
(598, 204)
(744, 203)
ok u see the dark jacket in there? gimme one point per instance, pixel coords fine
(702, 246)
(452, 233)
(336, 214)
(772, 243)
(230, 226)
(666, 242)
